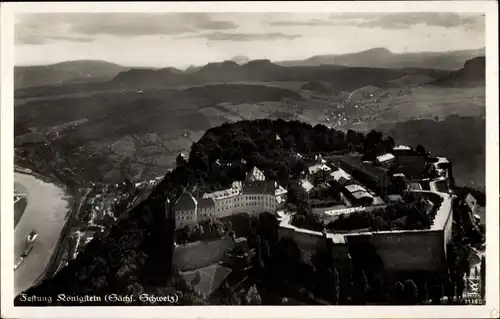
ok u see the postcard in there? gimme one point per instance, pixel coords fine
(250, 159)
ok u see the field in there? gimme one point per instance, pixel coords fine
(138, 133)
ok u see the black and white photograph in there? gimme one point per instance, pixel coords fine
(204, 155)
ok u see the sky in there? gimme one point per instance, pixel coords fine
(183, 39)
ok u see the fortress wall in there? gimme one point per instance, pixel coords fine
(411, 251)
(308, 243)
(400, 251)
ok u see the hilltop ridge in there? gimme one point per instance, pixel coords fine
(65, 72)
(472, 74)
(384, 58)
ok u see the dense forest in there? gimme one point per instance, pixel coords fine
(135, 256)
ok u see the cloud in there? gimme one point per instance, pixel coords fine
(33, 39)
(305, 23)
(226, 36)
(401, 20)
(150, 24)
(45, 27)
(435, 19)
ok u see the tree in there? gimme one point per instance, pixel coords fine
(372, 142)
(333, 281)
(420, 150)
(378, 223)
(410, 292)
(135, 289)
(424, 293)
(460, 287)
(252, 297)
(389, 144)
(361, 288)
(450, 290)
(398, 293)
(437, 291)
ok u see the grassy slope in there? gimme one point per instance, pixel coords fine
(461, 139)
(120, 126)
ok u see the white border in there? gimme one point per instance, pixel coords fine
(491, 310)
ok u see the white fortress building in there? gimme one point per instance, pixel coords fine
(254, 195)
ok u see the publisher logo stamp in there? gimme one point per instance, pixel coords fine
(472, 294)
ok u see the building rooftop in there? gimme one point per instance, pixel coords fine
(237, 185)
(340, 176)
(186, 202)
(362, 194)
(346, 210)
(255, 174)
(225, 193)
(355, 188)
(306, 185)
(385, 157)
(402, 148)
(280, 190)
(355, 163)
(259, 187)
(318, 167)
(336, 238)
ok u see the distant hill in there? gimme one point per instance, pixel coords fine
(342, 78)
(191, 69)
(333, 77)
(413, 80)
(241, 59)
(383, 58)
(65, 72)
(174, 70)
(472, 74)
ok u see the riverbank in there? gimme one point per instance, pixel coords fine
(52, 199)
(62, 244)
(19, 208)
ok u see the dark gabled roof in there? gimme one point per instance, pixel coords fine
(255, 174)
(186, 202)
(355, 163)
(259, 187)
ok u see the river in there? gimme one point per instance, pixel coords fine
(46, 210)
